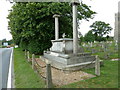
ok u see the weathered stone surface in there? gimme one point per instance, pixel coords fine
(73, 67)
(70, 61)
(63, 45)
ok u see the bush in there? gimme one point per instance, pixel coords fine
(38, 46)
(24, 44)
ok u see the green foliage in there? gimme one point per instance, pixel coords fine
(39, 45)
(99, 38)
(100, 28)
(81, 39)
(24, 44)
(8, 41)
(32, 24)
(110, 38)
(89, 37)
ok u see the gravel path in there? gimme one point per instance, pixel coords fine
(60, 77)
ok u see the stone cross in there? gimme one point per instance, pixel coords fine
(63, 35)
(56, 26)
(75, 31)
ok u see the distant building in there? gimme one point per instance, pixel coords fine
(5, 44)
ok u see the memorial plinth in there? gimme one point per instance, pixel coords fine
(63, 45)
(61, 56)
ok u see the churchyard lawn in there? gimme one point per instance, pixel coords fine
(25, 77)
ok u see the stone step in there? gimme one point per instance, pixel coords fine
(79, 66)
(73, 67)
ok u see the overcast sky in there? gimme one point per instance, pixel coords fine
(106, 10)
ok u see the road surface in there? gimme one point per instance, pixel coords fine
(5, 54)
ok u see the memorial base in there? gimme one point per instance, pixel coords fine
(70, 62)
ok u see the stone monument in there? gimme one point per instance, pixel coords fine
(65, 52)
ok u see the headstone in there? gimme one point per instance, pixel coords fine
(81, 50)
(83, 45)
(97, 66)
(93, 51)
(91, 44)
(88, 48)
(106, 55)
(105, 46)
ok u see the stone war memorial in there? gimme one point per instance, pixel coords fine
(65, 53)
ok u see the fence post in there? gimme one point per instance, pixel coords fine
(97, 66)
(33, 60)
(28, 56)
(48, 76)
(25, 53)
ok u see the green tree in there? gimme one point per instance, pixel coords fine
(100, 28)
(32, 25)
(10, 42)
(3, 41)
(89, 37)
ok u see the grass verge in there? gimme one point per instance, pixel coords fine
(107, 79)
(25, 77)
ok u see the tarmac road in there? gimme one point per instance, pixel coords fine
(4, 66)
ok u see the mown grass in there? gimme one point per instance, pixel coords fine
(107, 79)
(109, 72)
(25, 77)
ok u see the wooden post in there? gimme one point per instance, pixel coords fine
(33, 60)
(48, 76)
(97, 66)
(28, 56)
(25, 53)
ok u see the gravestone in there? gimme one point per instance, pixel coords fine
(94, 51)
(81, 50)
(91, 44)
(106, 55)
(105, 46)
